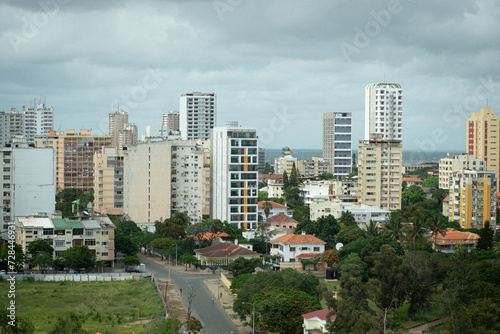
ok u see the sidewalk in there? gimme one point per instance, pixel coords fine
(226, 301)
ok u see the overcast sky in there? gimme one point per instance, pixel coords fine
(274, 65)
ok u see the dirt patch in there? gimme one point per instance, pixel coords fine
(174, 303)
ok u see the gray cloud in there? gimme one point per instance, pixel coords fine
(258, 56)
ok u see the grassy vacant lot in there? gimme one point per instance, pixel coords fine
(107, 306)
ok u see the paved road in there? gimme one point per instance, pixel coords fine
(211, 315)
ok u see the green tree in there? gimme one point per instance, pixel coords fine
(326, 229)
(294, 176)
(347, 218)
(193, 324)
(292, 196)
(79, 257)
(241, 266)
(43, 261)
(286, 279)
(238, 282)
(174, 227)
(349, 234)
(432, 181)
(279, 310)
(131, 260)
(286, 182)
(415, 235)
(18, 256)
(70, 324)
(394, 227)
(39, 246)
(170, 325)
(68, 195)
(188, 259)
(485, 237)
(267, 207)
(326, 176)
(372, 229)
(353, 312)
(21, 325)
(437, 226)
(145, 240)
(391, 275)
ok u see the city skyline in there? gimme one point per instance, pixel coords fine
(279, 75)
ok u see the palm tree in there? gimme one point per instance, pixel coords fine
(267, 207)
(437, 226)
(415, 235)
(372, 229)
(394, 227)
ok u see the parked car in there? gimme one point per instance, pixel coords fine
(132, 270)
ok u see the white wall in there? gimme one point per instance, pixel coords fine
(33, 181)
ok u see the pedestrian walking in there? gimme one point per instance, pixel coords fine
(220, 295)
(213, 300)
(180, 290)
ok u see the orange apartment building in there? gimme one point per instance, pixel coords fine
(75, 156)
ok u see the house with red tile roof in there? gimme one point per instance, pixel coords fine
(410, 181)
(453, 237)
(290, 247)
(210, 236)
(316, 322)
(276, 208)
(223, 253)
(282, 220)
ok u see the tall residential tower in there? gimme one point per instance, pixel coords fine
(384, 110)
(197, 112)
(337, 142)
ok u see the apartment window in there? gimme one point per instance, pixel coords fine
(292, 249)
(90, 242)
(104, 244)
(89, 233)
(104, 233)
(48, 231)
(59, 243)
(316, 249)
(104, 254)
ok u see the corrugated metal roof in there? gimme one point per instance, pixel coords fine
(90, 224)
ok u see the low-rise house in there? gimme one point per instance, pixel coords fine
(316, 322)
(412, 181)
(276, 208)
(215, 237)
(290, 246)
(223, 253)
(282, 220)
(453, 237)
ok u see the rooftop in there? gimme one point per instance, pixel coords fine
(455, 237)
(320, 314)
(225, 249)
(298, 239)
(274, 205)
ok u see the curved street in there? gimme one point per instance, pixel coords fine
(213, 318)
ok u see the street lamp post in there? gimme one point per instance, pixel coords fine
(175, 256)
(253, 316)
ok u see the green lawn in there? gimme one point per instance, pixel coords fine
(330, 286)
(105, 305)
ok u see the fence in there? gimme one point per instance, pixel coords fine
(104, 277)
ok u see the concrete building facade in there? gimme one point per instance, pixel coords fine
(384, 110)
(483, 141)
(379, 176)
(39, 120)
(337, 147)
(472, 198)
(233, 172)
(108, 181)
(197, 115)
(170, 122)
(121, 131)
(454, 163)
(285, 163)
(313, 168)
(11, 125)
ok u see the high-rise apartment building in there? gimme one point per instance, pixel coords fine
(108, 181)
(483, 130)
(25, 189)
(11, 125)
(473, 198)
(121, 131)
(162, 177)
(233, 172)
(379, 172)
(197, 115)
(457, 162)
(337, 142)
(75, 156)
(313, 168)
(384, 110)
(39, 120)
(170, 122)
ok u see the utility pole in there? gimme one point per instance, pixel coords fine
(253, 316)
(175, 256)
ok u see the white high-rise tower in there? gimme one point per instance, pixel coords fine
(384, 110)
(197, 115)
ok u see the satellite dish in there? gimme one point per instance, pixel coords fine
(339, 246)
